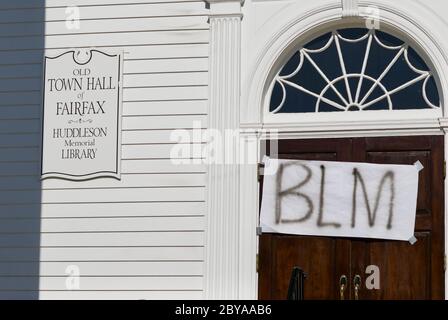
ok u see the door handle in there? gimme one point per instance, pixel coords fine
(342, 286)
(357, 285)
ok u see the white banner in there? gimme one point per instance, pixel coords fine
(340, 199)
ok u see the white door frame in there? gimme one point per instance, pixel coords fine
(274, 39)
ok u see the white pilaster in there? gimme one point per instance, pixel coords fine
(222, 240)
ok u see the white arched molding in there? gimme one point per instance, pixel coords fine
(223, 191)
(281, 34)
(275, 40)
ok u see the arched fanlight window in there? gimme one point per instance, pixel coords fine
(354, 69)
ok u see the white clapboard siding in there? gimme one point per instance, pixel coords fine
(21, 126)
(103, 295)
(139, 51)
(102, 224)
(106, 26)
(165, 151)
(18, 84)
(173, 122)
(153, 136)
(19, 140)
(157, 94)
(183, 65)
(105, 283)
(106, 12)
(171, 254)
(112, 195)
(19, 154)
(141, 237)
(166, 79)
(89, 210)
(167, 166)
(17, 112)
(105, 239)
(128, 123)
(107, 269)
(166, 65)
(127, 181)
(127, 166)
(158, 108)
(100, 40)
(112, 295)
(80, 3)
(159, 136)
(134, 80)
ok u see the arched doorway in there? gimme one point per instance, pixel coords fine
(330, 80)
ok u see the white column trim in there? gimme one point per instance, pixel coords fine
(223, 193)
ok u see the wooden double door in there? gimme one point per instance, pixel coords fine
(405, 271)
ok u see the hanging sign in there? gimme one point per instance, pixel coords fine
(340, 199)
(81, 127)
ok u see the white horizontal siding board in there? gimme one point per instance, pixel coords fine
(102, 254)
(128, 166)
(168, 65)
(173, 93)
(19, 169)
(164, 151)
(153, 136)
(102, 210)
(129, 67)
(142, 108)
(139, 51)
(20, 126)
(63, 3)
(110, 295)
(158, 136)
(19, 154)
(127, 181)
(19, 112)
(158, 239)
(158, 207)
(112, 195)
(165, 79)
(102, 39)
(20, 84)
(19, 71)
(18, 140)
(105, 12)
(137, 79)
(128, 123)
(19, 98)
(130, 224)
(107, 26)
(103, 295)
(164, 122)
(159, 166)
(106, 269)
(104, 283)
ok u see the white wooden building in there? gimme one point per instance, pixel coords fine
(170, 230)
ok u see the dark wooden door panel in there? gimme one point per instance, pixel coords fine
(406, 271)
(323, 259)
(316, 255)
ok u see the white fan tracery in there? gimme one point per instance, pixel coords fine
(353, 100)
